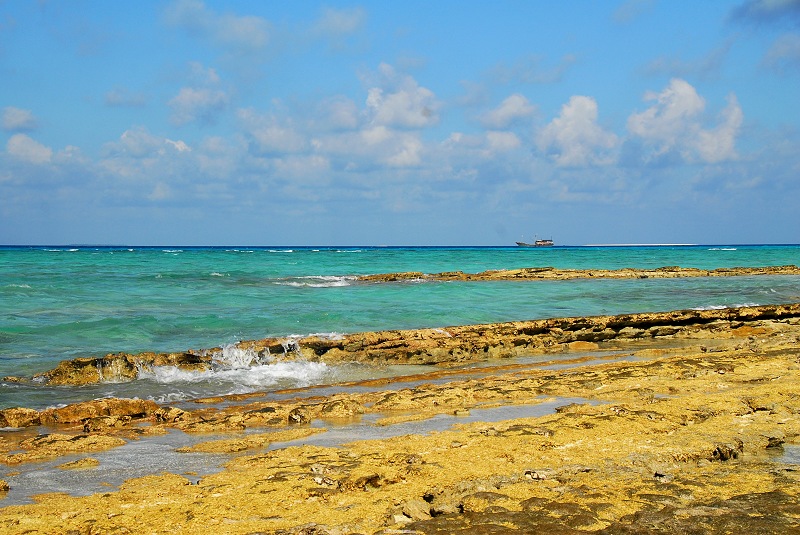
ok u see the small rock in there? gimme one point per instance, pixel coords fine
(417, 510)
(300, 415)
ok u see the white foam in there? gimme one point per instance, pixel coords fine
(217, 274)
(317, 281)
(722, 249)
(233, 357)
(242, 379)
(721, 307)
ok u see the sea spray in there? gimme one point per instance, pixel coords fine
(232, 357)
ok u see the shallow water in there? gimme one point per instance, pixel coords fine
(60, 303)
(156, 454)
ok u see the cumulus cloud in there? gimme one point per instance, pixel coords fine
(719, 143)
(674, 124)
(138, 142)
(513, 108)
(197, 104)
(401, 102)
(269, 135)
(666, 121)
(28, 150)
(574, 138)
(18, 120)
(502, 141)
(372, 147)
(337, 113)
(237, 34)
(203, 101)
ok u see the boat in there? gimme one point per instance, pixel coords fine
(537, 243)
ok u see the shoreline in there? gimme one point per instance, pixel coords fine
(551, 273)
(443, 346)
(680, 425)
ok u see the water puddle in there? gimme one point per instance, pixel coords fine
(156, 454)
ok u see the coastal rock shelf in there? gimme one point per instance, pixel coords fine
(683, 431)
(440, 346)
(551, 273)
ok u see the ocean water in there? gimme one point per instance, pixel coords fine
(59, 303)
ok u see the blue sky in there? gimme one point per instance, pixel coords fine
(399, 123)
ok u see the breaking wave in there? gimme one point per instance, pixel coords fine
(238, 370)
(317, 281)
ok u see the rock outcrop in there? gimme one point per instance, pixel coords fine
(551, 273)
(676, 440)
(439, 346)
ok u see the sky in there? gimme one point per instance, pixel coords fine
(192, 122)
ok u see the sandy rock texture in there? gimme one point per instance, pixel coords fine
(680, 433)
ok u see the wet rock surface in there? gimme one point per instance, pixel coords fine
(452, 345)
(672, 435)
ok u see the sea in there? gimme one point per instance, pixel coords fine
(64, 302)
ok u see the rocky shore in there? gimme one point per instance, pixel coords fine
(445, 346)
(551, 273)
(664, 423)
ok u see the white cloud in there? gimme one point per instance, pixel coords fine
(197, 104)
(401, 102)
(372, 147)
(139, 143)
(18, 120)
(498, 141)
(28, 150)
(240, 34)
(574, 138)
(513, 108)
(179, 145)
(269, 135)
(340, 113)
(718, 144)
(408, 152)
(667, 120)
(302, 168)
(673, 123)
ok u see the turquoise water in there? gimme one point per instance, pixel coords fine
(60, 303)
